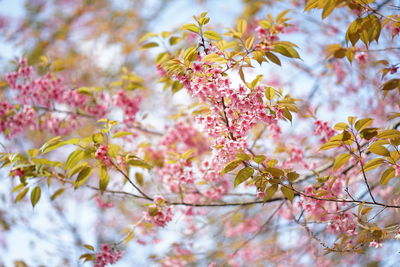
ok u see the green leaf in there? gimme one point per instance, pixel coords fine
(286, 50)
(87, 257)
(265, 24)
(273, 58)
(340, 126)
(241, 26)
(292, 176)
(174, 40)
(97, 138)
(389, 134)
(74, 158)
(353, 31)
(379, 150)
(83, 175)
(269, 93)
(270, 192)
(21, 194)
(256, 81)
(243, 175)
(311, 4)
(231, 166)
(191, 27)
(374, 163)
(363, 123)
(213, 58)
(33, 152)
(243, 156)
(139, 178)
(387, 175)
(288, 193)
(275, 172)
(259, 159)
(121, 134)
(369, 133)
(104, 178)
(35, 195)
(391, 84)
(139, 163)
(212, 35)
(149, 45)
(330, 144)
(328, 8)
(341, 160)
(147, 36)
(365, 210)
(90, 247)
(57, 193)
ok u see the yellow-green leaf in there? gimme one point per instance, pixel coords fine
(288, 193)
(83, 175)
(35, 195)
(374, 163)
(104, 178)
(212, 35)
(243, 175)
(341, 160)
(231, 166)
(21, 194)
(57, 193)
(270, 192)
(121, 134)
(363, 123)
(139, 163)
(379, 150)
(149, 45)
(387, 175)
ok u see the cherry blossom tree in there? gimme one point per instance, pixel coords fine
(270, 141)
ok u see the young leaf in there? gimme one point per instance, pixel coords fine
(35, 195)
(270, 192)
(243, 175)
(57, 193)
(288, 193)
(341, 160)
(83, 175)
(231, 166)
(139, 163)
(212, 35)
(387, 175)
(104, 178)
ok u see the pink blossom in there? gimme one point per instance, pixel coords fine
(102, 155)
(375, 244)
(107, 256)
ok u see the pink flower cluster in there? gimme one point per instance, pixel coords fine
(159, 214)
(102, 204)
(15, 119)
(248, 226)
(343, 223)
(177, 175)
(375, 244)
(39, 95)
(107, 256)
(184, 137)
(101, 154)
(129, 105)
(338, 222)
(234, 111)
(324, 130)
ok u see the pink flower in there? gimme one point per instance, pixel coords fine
(375, 244)
(102, 204)
(107, 256)
(102, 155)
